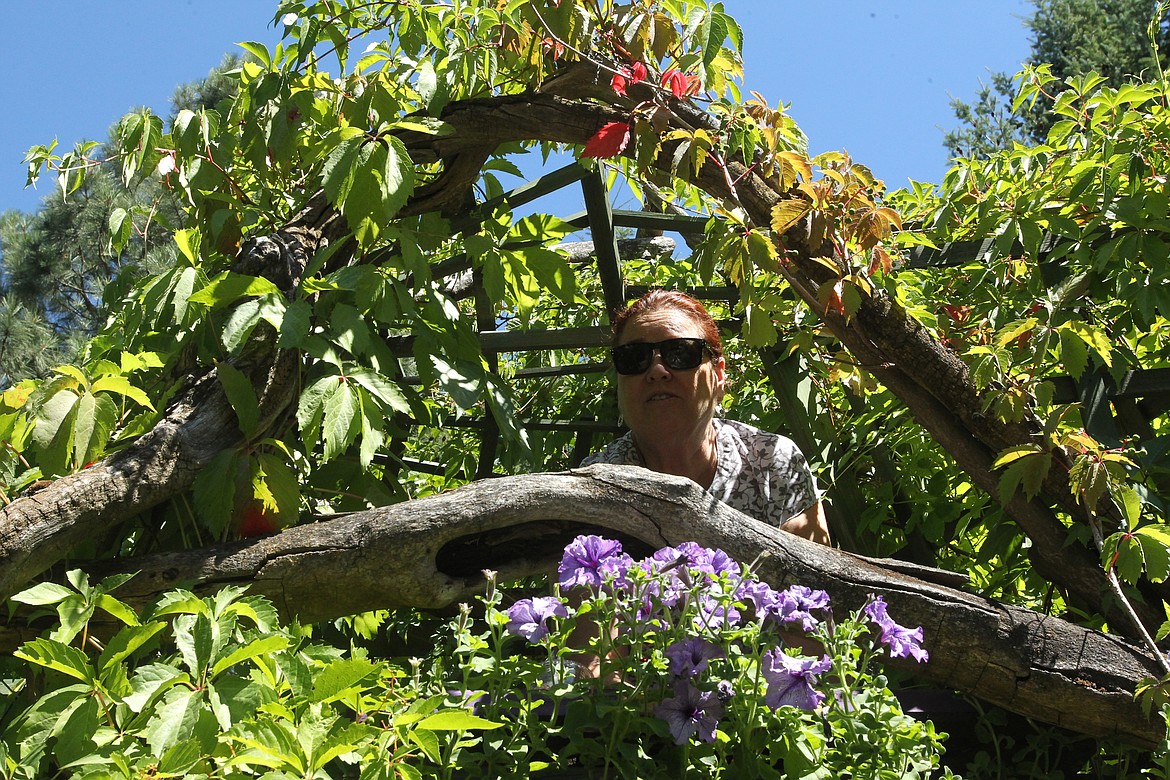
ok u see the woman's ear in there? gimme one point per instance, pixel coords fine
(719, 370)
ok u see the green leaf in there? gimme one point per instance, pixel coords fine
(340, 678)
(85, 429)
(240, 325)
(1073, 353)
(311, 407)
(242, 397)
(281, 485)
(188, 240)
(215, 491)
(196, 637)
(428, 743)
(1094, 337)
(121, 228)
(295, 325)
(120, 385)
(1131, 504)
(1013, 330)
(174, 719)
(372, 437)
(59, 657)
(1155, 544)
(180, 758)
(51, 416)
(1028, 472)
(463, 383)
(118, 609)
(760, 331)
(1013, 454)
(259, 51)
(553, 272)
(456, 720)
(180, 602)
(710, 36)
(255, 648)
(125, 642)
(762, 252)
(75, 730)
(73, 615)
(381, 388)
(43, 594)
(150, 681)
(398, 181)
(341, 421)
(229, 287)
(233, 699)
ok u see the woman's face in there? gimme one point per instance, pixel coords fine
(664, 402)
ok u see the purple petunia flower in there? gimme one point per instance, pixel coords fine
(760, 595)
(795, 605)
(790, 680)
(711, 562)
(527, 617)
(714, 614)
(725, 690)
(667, 565)
(689, 657)
(902, 642)
(691, 711)
(586, 560)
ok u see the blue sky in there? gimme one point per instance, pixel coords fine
(873, 78)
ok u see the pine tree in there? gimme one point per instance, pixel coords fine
(56, 263)
(1110, 37)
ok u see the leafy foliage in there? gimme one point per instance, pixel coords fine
(209, 687)
(1123, 40)
(334, 143)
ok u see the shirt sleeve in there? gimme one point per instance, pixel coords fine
(793, 480)
(620, 452)
(765, 475)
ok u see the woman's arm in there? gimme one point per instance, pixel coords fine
(810, 524)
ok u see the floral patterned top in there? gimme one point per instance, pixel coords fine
(761, 474)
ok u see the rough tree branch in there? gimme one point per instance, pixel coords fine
(429, 554)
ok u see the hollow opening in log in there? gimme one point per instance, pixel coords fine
(540, 540)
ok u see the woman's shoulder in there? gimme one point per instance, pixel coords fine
(753, 437)
(755, 442)
(619, 452)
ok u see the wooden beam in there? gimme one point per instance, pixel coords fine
(604, 241)
(521, 340)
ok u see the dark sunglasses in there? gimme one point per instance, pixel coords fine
(677, 355)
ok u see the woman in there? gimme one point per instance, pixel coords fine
(671, 376)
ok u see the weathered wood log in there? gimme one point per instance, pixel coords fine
(429, 553)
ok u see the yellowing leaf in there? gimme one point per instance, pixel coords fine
(787, 213)
(1013, 454)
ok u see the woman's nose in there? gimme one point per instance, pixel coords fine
(657, 369)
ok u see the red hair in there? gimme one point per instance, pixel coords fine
(672, 299)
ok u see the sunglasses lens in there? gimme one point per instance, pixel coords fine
(677, 355)
(682, 354)
(632, 358)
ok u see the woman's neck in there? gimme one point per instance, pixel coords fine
(695, 457)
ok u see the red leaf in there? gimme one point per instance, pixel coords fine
(835, 301)
(255, 522)
(880, 260)
(675, 81)
(631, 75)
(609, 141)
